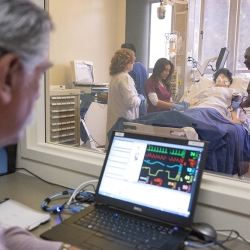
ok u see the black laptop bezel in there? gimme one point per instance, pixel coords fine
(157, 215)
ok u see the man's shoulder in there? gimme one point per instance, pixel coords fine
(138, 65)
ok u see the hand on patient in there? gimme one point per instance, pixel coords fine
(236, 105)
(177, 107)
(237, 120)
(142, 99)
(184, 104)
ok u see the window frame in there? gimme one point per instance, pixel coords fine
(232, 42)
(222, 202)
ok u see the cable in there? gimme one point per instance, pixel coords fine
(80, 187)
(217, 242)
(42, 179)
(75, 206)
(55, 208)
(190, 244)
(230, 237)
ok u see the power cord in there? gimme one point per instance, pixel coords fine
(78, 189)
(230, 237)
(81, 197)
(216, 242)
(41, 178)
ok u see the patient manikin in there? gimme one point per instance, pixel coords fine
(219, 96)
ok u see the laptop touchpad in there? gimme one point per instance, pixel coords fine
(101, 241)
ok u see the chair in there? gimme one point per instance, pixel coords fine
(8, 159)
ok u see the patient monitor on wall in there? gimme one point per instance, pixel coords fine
(220, 63)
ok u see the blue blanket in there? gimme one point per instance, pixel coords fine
(229, 150)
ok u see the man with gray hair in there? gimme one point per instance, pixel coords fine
(24, 44)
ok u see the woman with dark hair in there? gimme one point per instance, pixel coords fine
(157, 88)
(123, 99)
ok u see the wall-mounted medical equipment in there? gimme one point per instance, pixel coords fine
(221, 60)
(172, 2)
(161, 11)
(198, 70)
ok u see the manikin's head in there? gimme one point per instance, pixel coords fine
(222, 78)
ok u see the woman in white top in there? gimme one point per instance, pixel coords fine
(123, 99)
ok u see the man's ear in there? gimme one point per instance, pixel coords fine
(9, 68)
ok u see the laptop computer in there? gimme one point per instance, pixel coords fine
(148, 181)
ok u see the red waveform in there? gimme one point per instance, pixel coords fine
(176, 159)
(154, 156)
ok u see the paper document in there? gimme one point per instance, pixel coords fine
(13, 213)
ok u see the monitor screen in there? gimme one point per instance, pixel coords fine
(82, 71)
(222, 58)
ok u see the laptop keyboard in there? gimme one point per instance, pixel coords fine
(135, 233)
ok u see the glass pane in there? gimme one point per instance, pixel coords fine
(215, 29)
(243, 34)
(196, 28)
(158, 29)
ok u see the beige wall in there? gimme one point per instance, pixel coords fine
(89, 30)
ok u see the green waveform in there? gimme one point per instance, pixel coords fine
(178, 152)
(176, 178)
(155, 149)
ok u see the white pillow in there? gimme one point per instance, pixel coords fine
(240, 83)
(197, 87)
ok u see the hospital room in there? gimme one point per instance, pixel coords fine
(68, 141)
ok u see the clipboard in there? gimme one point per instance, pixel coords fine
(14, 213)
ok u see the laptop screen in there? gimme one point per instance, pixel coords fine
(153, 173)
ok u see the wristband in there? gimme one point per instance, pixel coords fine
(65, 246)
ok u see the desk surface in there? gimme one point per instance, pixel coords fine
(31, 191)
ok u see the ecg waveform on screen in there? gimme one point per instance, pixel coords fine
(169, 167)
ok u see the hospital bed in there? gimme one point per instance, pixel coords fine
(229, 150)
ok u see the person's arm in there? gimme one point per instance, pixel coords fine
(17, 238)
(158, 103)
(235, 118)
(246, 103)
(129, 93)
